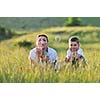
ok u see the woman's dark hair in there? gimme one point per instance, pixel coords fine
(43, 35)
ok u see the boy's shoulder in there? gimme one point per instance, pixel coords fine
(68, 50)
(80, 50)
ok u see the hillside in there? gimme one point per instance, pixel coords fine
(89, 35)
(25, 23)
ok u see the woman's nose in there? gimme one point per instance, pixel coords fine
(42, 42)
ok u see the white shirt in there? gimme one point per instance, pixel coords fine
(79, 51)
(51, 53)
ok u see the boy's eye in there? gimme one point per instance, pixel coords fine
(73, 44)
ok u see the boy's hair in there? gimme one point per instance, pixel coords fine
(74, 39)
(43, 35)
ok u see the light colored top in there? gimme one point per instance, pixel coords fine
(51, 53)
(79, 51)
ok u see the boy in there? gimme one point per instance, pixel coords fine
(74, 53)
(42, 53)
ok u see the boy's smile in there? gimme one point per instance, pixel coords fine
(74, 46)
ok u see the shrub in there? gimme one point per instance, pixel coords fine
(6, 32)
(24, 43)
(73, 21)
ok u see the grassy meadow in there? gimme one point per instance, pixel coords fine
(15, 65)
(34, 23)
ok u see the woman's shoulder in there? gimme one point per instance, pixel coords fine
(51, 50)
(33, 50)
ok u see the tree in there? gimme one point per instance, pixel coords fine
(73, 21)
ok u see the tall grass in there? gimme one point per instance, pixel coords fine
(15, 67)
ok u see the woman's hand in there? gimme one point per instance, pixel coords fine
(41, 54)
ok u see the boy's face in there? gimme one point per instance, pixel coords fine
(41, 42)
(73, 46)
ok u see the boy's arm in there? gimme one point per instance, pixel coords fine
(81, 54)
(73, 55)
(68, 56)
(67, 59)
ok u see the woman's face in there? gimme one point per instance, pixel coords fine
(74, 46)
(42, 42)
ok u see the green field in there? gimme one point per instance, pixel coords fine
(15, 66)
(33, 23)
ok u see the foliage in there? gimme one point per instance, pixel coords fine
(34, 23)
(24, 43)
(73, 21)
(5, 33)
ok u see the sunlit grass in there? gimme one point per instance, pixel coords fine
(15, 67)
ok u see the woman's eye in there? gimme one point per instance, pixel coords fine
(39, 40)
(44, 40)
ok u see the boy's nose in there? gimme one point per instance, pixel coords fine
(72, 46)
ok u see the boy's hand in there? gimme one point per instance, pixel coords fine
(67, 59)
(75, 55)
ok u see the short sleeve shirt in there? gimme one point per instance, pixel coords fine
(50, 52)
(79, 51)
